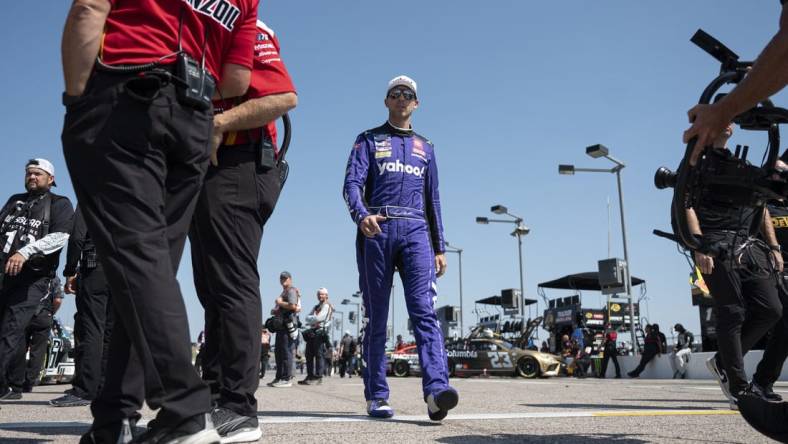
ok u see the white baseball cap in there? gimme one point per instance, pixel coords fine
(42, 164)
(402, 81)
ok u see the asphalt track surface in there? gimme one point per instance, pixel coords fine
(499, 410)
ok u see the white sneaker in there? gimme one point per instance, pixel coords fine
(283, 383)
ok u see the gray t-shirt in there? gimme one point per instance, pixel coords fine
(290, 296)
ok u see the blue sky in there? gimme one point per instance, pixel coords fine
(508, 90)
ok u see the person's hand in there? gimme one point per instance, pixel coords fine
(708, 121)
(704, 262)
(777, 260)
(369, 226)
(14, 264)
(440, 264)
(71, 285)
(216, 138)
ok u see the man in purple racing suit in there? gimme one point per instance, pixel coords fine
(391, 189)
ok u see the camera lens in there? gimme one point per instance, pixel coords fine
(664, 178)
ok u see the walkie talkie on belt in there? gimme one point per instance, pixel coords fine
(198, 85)
(266, 158)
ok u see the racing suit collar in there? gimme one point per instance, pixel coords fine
(397, 130)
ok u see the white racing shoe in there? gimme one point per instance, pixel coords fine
(379, 408)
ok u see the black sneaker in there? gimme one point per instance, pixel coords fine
(719, 374)
(438, 406)
(233, 427)
(765, 391)
(195, 430)
(305, 381)
(119, 433)
(11, 395)
(69, 400)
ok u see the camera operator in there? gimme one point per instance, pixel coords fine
(139, 77)
(769, 74)
(288, 305)
(93, 320)
(741, 279)
(316, 337)
(24, 374)
(771, 364)
(226, 233)
(34, 226)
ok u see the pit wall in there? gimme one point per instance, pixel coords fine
(659, 367)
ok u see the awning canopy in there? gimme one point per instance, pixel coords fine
(581, 281)
(496, 300)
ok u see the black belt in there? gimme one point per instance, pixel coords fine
(232, 155)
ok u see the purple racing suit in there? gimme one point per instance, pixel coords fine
(392, 172)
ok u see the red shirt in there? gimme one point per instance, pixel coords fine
(142, 31)
(269, 76)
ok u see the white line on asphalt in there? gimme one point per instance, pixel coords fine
(407, 418)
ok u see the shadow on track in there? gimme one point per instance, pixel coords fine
(72, 429)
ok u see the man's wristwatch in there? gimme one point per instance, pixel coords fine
(775, 248)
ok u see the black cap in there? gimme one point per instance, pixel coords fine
(285, 275)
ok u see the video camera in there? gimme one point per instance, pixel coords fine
(727, 178)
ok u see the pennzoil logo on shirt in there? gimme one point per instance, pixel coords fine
(221, 11)
(382, 154)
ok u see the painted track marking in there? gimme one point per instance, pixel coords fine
(411, 418)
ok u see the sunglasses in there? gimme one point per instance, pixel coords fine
(407, 95)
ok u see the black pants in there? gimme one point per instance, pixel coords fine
(19, 302)
(26, 373)
(315, 356)
(225, 235)
(649, 351)
(610, 353)
(92, 330)
(264, 355)
(747, 307)
(776, 352)
(284, 353)
(137, 168)
(346, 365)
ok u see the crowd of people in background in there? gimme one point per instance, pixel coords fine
(588, 353)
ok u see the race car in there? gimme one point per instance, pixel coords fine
(403, 362)
(59, 365)
(493, 356)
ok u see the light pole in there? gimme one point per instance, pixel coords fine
(597, 151)
(341, 325)
(452, 249)
(358, 314)
(520, 230)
